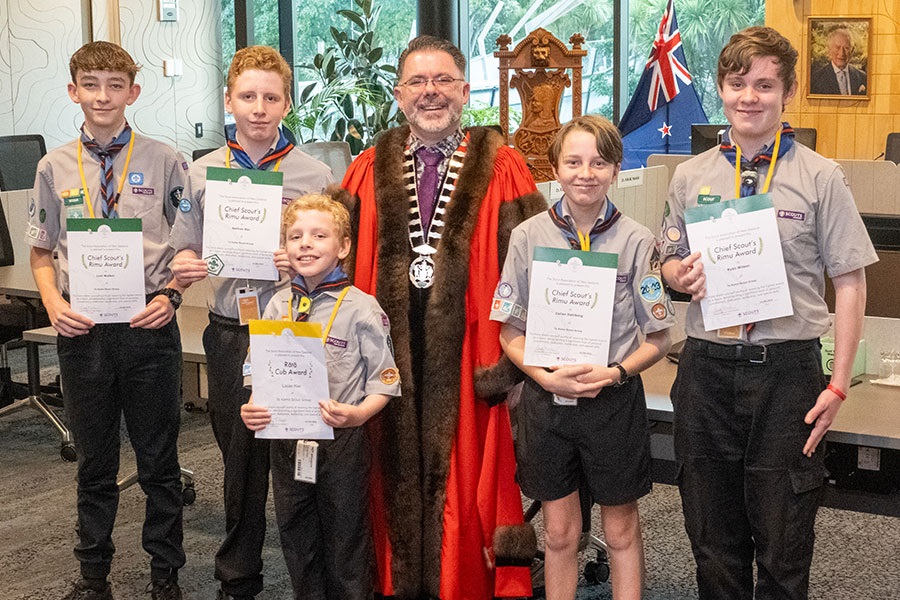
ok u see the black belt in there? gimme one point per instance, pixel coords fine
(757, 354)
(220, 320)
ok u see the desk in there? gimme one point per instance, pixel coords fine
(870, 417)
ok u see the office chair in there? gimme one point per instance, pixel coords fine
(806, 136)
(334, 154)
(198, 152)
(892, 148)
(19, 156)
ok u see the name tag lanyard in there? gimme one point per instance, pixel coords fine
(228, 160)
(737, 167)
(334, 311)
(87, 194)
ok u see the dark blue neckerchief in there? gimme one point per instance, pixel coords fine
(285, 144)
(556, 215)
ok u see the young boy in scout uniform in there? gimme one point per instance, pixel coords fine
(258, 95)
(114, 369)
(325, 532)
(587, 424)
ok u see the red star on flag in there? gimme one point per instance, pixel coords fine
(665, 130)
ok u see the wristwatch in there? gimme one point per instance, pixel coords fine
(623, 374)
(173, 295)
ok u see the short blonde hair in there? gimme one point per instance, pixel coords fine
(261, 58)
(319, 202)
(102, 56)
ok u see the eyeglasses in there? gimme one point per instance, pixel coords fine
(442, 82)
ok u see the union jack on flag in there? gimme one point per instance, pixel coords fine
(667, 69)
(665, 104)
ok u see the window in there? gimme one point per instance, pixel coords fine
(705, 27)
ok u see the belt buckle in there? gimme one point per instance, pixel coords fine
(763, 358)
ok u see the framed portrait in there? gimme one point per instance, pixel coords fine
(839, 51)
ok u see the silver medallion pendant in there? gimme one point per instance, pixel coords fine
(421, 272)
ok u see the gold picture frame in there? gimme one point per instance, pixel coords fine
(839, 49)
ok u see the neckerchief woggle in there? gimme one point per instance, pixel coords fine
(747, 185)
(303, 298)
(285, 144)
(577, 240)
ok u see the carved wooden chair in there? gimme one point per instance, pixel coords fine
(540, 64)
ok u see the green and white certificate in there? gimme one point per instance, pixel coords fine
(741, 253)
(241, 222)
(570, 304)
(106, 268)
(287, 361)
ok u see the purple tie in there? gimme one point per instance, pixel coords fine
(428, 183)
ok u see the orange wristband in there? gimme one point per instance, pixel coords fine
(836, 392)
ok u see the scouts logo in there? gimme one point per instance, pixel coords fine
(214, 264)
(136, 178)
(185, 205)
(793, 215)
(504, 290)
(659, 311)
(390, 376)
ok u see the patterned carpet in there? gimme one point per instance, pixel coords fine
(856, 557)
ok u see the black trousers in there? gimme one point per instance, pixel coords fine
(747, 489)
(239, 559)
(325, 528)
(112, 371)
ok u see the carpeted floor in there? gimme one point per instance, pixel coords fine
(856, 557)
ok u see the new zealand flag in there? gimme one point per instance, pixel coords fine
(665, 104)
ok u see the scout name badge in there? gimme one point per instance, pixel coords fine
(305, 461)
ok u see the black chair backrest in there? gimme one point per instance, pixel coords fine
(7, 255)
(19, 156)
(806, 136)
(892, 148)
(198, 152)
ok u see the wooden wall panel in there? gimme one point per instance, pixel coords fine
(867, 122)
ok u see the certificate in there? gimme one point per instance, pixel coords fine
(241, 222)
(741, 253)
(287, 360)
(570, 303)
(106, 268)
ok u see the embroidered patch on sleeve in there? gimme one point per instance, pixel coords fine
(390, 376)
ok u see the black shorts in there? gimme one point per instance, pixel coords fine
(602, 443)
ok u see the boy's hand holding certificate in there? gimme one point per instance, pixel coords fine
(570, 303)
(289, 378)
(241, 222)
(741, 253)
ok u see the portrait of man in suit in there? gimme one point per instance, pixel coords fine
(835, 73)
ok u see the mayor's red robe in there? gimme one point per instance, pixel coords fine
(447, 511)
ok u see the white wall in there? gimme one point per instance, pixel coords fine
(37, 37)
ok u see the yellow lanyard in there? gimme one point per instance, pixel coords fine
(585, 241)
(334, 311)
(228, 160)
(737, 167)
(87, 194)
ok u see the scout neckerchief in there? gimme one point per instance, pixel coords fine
(302, 299)
(284, 145)
(421, 270)
(108, 194)
(746, 178)
(578, 240)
